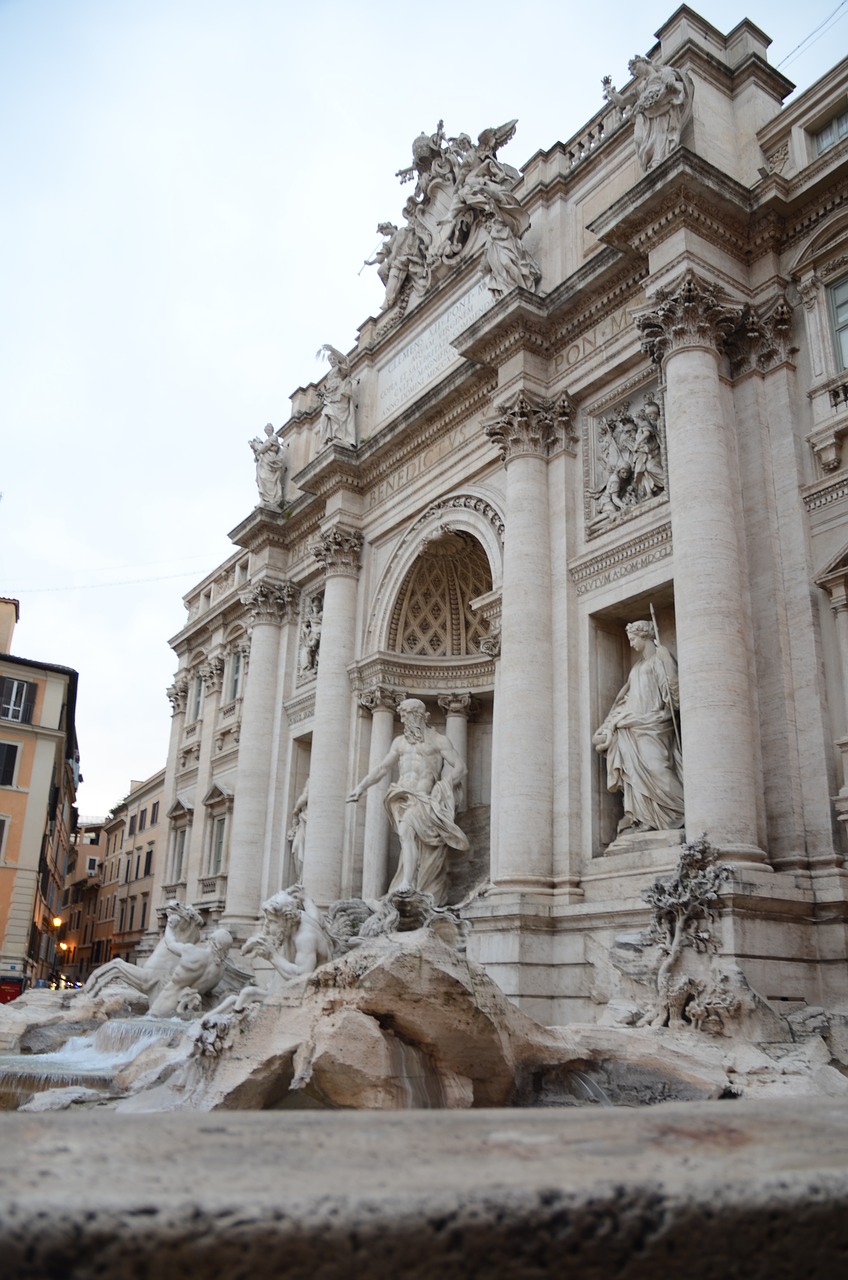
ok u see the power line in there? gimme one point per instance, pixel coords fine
(95, 586)
(815, 32)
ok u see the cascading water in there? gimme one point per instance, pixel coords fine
(88, 1061)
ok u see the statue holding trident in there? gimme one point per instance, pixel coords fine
(640, 737)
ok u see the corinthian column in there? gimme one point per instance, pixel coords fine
(686, 333)
(526, 431)
(338, 552)
(457, 708)
(382, 703)
(268, 604)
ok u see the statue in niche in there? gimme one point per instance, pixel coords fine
(639, 738)
(310, 634)
(661, 103)
(199, 968)
(297, 831)
(463, 201)
(270, 457)
(629, 461)
(337, 420)
(422, 803)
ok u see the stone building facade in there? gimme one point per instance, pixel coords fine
(608, 390)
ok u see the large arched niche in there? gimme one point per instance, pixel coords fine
(467, 526)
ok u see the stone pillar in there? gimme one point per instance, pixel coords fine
(686, 333)
(268, 604)
(339, 553)
(525, 431)
(457, 708)
(382, 703)
(212, 674)
(835, 583)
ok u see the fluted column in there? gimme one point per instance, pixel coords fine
(685, 332)
(268, 604)
(457, 708)
(525, 431)
(339, 553)
(382, 702)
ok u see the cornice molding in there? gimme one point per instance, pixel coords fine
(595, 571)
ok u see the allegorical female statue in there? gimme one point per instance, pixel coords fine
(639, 738)
(270, 458)
(661, 104)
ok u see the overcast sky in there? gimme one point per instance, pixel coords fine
(191, 187)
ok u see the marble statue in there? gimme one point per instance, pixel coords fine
(422, 803)
(507, 264)
(270, 457)
(199, 968)
(184, 924)
(639, 738)
(297, 831)
(337, 420)
(464, 201)
(310, 635)
(661, 104)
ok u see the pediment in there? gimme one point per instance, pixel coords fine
(218, 794)
(835, 571)
(181, 809)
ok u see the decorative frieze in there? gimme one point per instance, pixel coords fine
(527, 425)
(622, 560)
(269, 601)
(339, 551)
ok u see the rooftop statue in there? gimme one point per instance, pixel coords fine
(422, 803)
(337, 420)
(639, 738)
(270, 457)
(463, 201)
(661, 103)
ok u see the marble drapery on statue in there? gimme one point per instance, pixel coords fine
(422, 803)
(270, 457)
(661, 104)
(639, 738)
(338, 421)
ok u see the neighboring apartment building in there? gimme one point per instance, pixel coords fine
(650, 426)
(39, 776)
(133, 834)
(79, 901)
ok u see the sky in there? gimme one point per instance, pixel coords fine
(190, 190)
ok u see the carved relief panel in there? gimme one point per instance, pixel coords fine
(624, 460)
(311, 614)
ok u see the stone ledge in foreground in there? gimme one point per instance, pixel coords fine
(720, 1189)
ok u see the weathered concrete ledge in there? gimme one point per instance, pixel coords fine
(695, 1189)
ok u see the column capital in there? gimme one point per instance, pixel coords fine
(691, 313)
(177, 693)
(526, 425)
(212, 673)
(269, 601)
(381, 697)
(761, 339)
(459, 704)
(339, 550)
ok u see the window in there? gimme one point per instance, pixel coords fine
(179, 854)
(235, 675)
(138, 864)
(839, 312)
(121, 920)
(831, 133)
(132, 913)
(142, 820)
(8, 757)
(4, 823)
(216, 859)
(129, 869)
(154, 813)
(148, 860)
(132, 826)
(143, 913)
(196, 697)
(91, 866)
(17, 700)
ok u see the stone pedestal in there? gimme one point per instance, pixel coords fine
(338, 552)
(268, 604)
